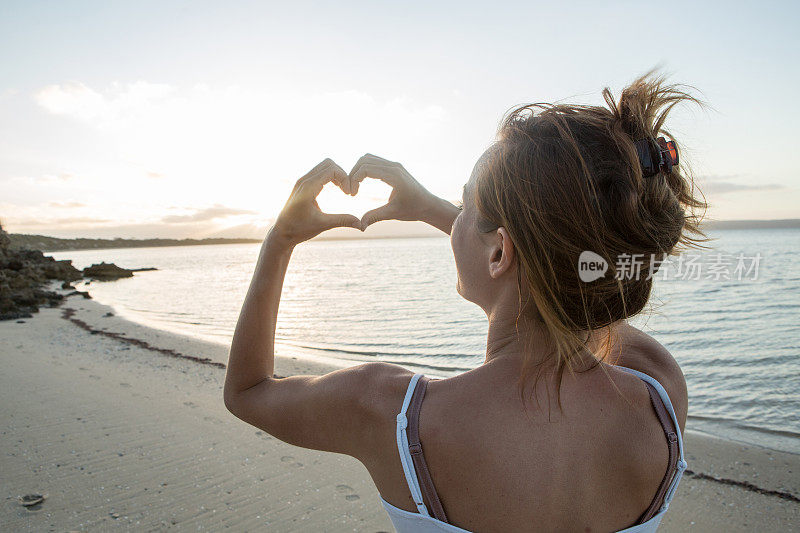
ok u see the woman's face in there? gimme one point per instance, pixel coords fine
(470, 247)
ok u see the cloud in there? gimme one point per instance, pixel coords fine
(142, 230)
(204, 215)
(723, 187)
(723, 184)
(76, 100)
(68, 221)
(42, 178)
(169, 128)
(241, 231)
(228, 145)
(66, 205)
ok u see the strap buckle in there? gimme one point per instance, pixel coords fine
(402, 421)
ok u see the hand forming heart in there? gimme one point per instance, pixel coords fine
(301, 218)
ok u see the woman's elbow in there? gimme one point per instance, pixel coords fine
(232, 401)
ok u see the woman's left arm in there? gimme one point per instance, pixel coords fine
(320, 412)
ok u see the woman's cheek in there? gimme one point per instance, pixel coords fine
(455, 234)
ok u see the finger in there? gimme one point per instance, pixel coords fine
(376, 158)
(311, 173)
(366, 159)
(351, 185)
(384, 212)
(315, 180)
(370, 170)
(370, 159)
(342, 183)
(341, 221)
(361, 161)
(342, 179)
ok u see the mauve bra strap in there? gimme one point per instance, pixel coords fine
(670, 431)
(429, 491)
(415, 448)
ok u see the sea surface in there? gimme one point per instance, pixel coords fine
(735, 330)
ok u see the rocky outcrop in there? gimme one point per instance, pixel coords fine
(106, 272)
(22, 276)
(24, 272)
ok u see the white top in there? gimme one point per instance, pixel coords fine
(422, 522)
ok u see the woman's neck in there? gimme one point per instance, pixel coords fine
(513, 337)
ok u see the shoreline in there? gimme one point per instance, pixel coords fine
(145, 439)
(724, 429)
(316, 364)
(39, 242)
(119, 433)
(67, 244)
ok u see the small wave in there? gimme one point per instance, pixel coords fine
(372, 354)
(738, 424)
(422, 366)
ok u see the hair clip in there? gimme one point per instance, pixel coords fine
(656, 155)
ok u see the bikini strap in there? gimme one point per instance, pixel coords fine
(415, 449)
(671, 433)
(664, 403)
(402, 447)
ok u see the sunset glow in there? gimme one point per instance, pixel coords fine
(140, 130)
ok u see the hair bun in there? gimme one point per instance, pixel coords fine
(570, 178)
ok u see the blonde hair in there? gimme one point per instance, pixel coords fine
(562, 179)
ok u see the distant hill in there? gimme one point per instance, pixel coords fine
(54, 244)
(753, 224)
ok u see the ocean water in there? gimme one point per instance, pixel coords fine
(735, 332)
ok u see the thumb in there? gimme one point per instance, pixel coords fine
(383, 212)
(342, 221)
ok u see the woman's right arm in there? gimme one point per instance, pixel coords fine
(442, 214)
(409, 199)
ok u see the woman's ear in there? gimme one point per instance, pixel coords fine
(502, 254)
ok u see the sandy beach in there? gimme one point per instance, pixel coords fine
(123, 427)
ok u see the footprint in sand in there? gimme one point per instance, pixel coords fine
(347, 490)
(190, 404)
(290, 459)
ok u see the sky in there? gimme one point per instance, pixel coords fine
(194, 119)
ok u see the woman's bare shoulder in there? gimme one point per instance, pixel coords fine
(381, 388)
(637, 350)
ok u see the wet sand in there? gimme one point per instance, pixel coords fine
(123, 426)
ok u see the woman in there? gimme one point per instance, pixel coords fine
(570, 423)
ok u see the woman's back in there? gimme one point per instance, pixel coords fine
(564, 222)
(496, 466)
